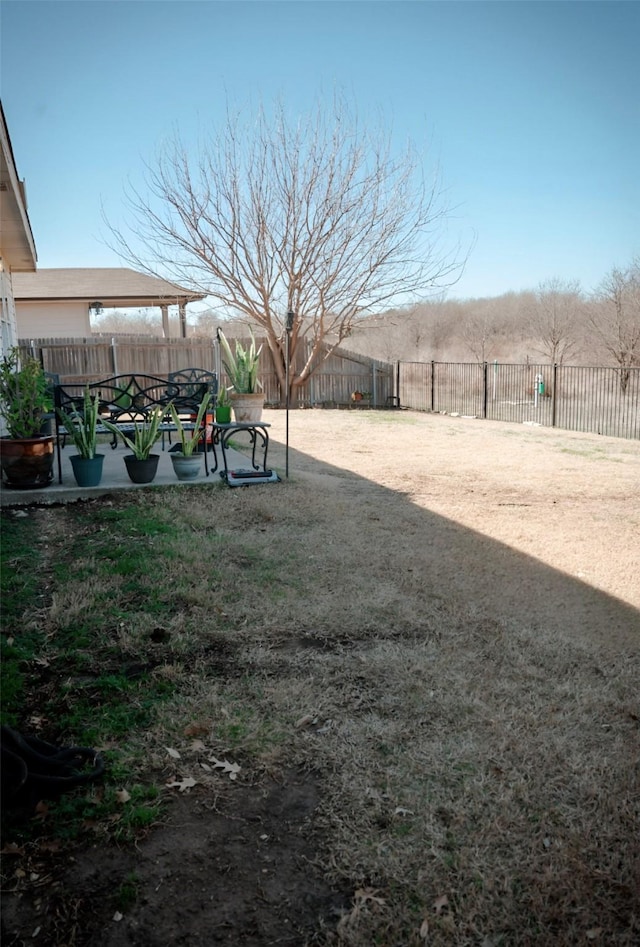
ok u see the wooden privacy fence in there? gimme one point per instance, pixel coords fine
(599, 400)
(87, 360)
(78, 361)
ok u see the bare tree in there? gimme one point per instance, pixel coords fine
(616, 318)
(318, 217)
(479, 332)
(554, 319)
(139, 322)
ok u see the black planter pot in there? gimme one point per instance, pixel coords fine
(27, 463)
(141, 471)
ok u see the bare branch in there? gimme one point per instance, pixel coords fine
(616, 317)
(316, 216)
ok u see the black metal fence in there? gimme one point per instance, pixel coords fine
(595, 400)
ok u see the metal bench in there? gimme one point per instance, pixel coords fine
(126, 400)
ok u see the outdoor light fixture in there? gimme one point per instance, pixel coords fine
(96, 307)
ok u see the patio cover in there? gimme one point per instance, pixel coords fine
(110, 287)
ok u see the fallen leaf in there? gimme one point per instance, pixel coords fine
(305, 721)
(399, 810)
(369, 895)
(173, 753)
(423, 933)
(11, 848)
(122, 796)
(231, 768)
(50, 845)
(197, 745)
(440, 903)
(42, 810)
(118, 916)
(196, 729)
(187, 783)
(594, 933)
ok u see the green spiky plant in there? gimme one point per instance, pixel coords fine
(241, 366)
(81, 425)
(222, 399)
(146, 433)
(189, 439)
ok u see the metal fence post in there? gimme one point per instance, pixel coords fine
(433, 385)
(484, 390)
(114, 357)
(554, 395)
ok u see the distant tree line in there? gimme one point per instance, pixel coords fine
(556, 322)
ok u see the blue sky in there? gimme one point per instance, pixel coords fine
(531, 110)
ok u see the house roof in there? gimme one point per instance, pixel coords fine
(111, 286)
(17, 246)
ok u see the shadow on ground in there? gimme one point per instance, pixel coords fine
(239, 870)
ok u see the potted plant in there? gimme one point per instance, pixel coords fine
(141, 464)
(242, 369)
(223, 407)
(26, 455)
(81, 426)
(187, 460)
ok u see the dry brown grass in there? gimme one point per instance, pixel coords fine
(480, 774)
(472, 713)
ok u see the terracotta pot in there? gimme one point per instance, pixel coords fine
(247, 408)
(27, 463)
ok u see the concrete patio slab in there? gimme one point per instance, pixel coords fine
(114, 478)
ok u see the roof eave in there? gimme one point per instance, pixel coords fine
(18, 245)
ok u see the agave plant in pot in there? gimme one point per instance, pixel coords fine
(26, 455)
(242, 368)
(185, 456)
(81, 425)
(141, 464)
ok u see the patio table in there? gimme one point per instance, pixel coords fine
(221, 435)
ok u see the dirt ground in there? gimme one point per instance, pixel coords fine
(503, 519)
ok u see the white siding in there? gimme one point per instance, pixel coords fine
(46, 320)
(8, 315)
